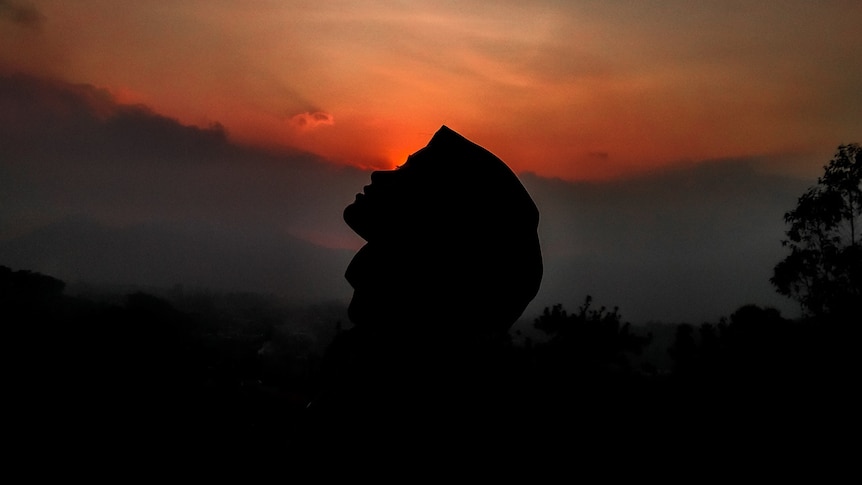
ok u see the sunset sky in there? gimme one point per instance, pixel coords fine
(215, 143)
(573, 89)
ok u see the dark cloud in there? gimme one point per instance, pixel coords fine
(94, 190)
(73, 146)
(79, 121)
(142, 186)
(22, 14)
(690, 243)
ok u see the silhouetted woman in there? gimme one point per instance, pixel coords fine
(451, 261)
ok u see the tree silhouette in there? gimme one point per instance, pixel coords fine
(823, 271)
(591, 338)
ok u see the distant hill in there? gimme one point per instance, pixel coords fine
(164, 255)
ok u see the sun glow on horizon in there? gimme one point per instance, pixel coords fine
(579, 91)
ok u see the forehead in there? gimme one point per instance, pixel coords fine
(433, 165)
(418, 159)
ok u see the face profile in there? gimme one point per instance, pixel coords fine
(451, 236)
(451, 260)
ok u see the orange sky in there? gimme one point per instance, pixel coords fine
(578, 90)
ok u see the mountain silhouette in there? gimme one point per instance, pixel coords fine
(165, 254)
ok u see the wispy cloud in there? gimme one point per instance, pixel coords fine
(311, 120)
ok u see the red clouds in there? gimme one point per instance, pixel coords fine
(545, 85)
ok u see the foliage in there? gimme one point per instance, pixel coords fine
(752, 343)
(823, 271)
(592, 336)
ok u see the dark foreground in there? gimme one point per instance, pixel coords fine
(140, 377)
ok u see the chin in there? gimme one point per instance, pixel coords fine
(355, 313)
(355, 217)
